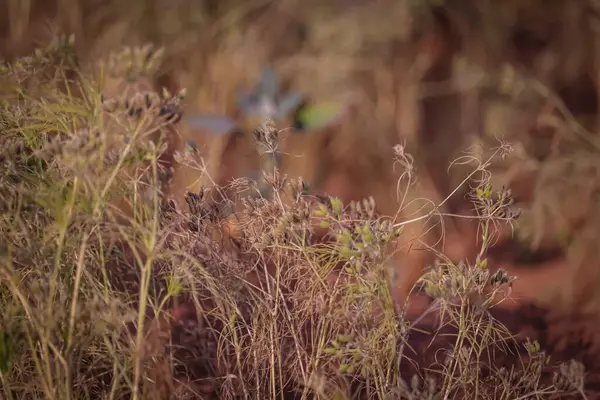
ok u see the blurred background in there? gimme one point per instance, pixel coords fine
(438, 76)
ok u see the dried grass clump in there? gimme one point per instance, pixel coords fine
(243, 292)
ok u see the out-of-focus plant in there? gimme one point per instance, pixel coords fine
(268, 102)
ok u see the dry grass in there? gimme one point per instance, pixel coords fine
(287, 297)
(135, 266)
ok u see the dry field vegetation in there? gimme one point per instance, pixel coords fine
(437, 240)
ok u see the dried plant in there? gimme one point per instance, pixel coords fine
(285, 292)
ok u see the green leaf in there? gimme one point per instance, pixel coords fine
(337, 205)
(344, 338)
(347, 253)
(318, 115)
(321, 212)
